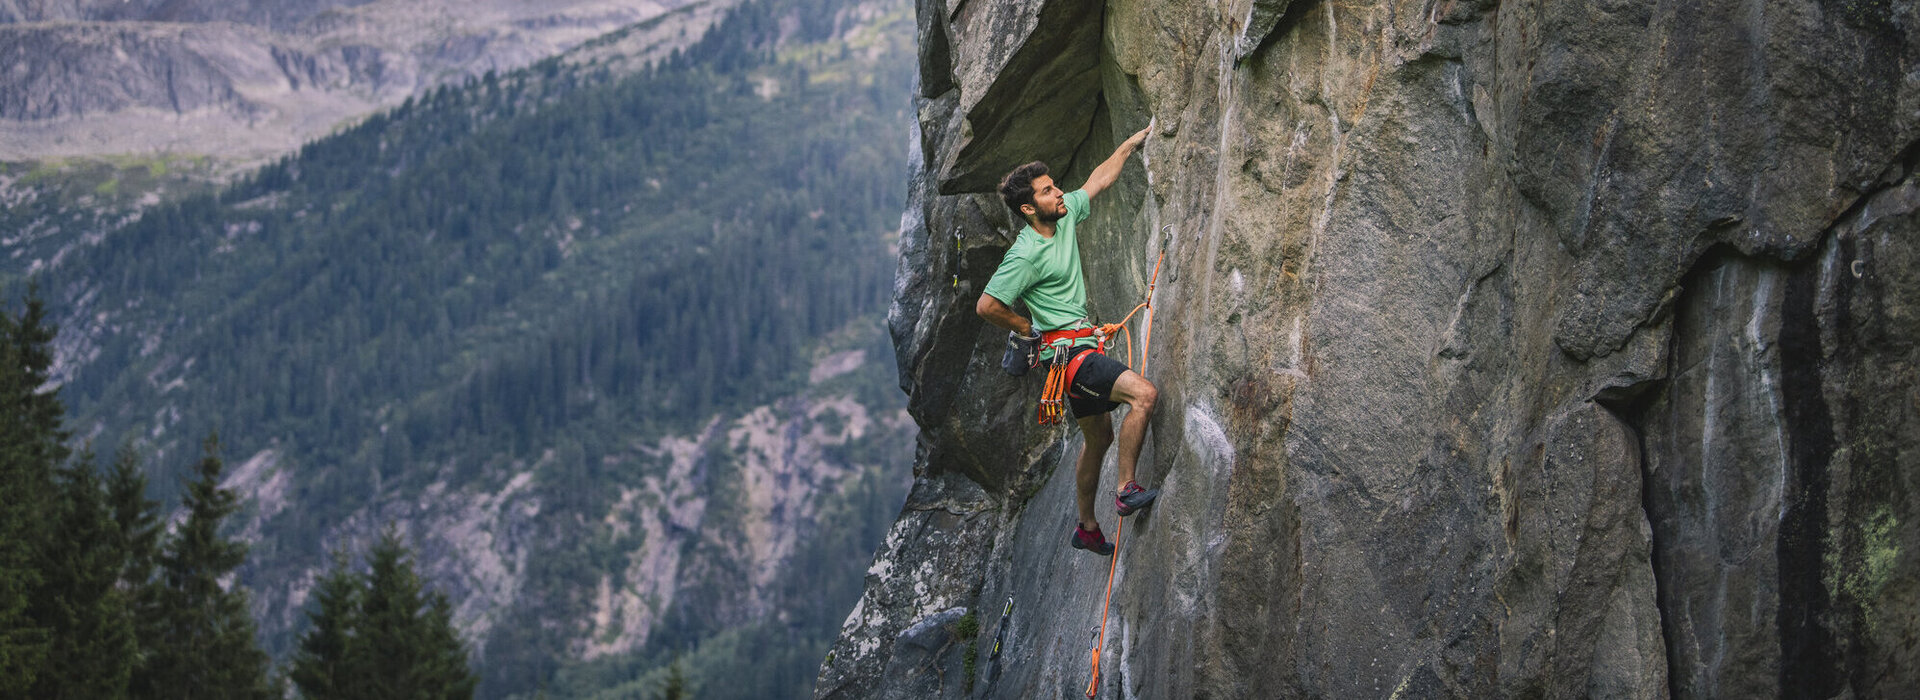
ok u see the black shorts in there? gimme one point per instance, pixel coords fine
(1092, 387)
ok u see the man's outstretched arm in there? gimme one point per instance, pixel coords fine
(999, 314)
(1109, 171)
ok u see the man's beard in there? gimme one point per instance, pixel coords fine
(1049, 217)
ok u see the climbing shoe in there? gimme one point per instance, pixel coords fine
(1091, 541)
(1133, 497)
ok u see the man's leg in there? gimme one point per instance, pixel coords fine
(1139, 395)
(1098, 434)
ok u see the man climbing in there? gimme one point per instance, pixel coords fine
(1043, 270)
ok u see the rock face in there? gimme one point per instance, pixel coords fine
(1506, 349)
(254, 80)
(272, 13)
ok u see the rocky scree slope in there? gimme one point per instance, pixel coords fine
(1506, 348)
(248, 81)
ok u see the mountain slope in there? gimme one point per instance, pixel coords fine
(248, 82)
(606, 345)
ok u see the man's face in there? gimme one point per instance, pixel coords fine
(1049, 203)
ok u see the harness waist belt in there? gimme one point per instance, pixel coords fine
(1050, 337)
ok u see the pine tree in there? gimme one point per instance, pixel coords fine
(380, 635)
(676, 685)
(445, 668)
(31, 444)
(206, 645)
(136, 519)
(92, 643)
(408, 636)
(323, 663)
(136, 538)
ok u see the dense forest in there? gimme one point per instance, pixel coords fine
(449, 221)
(532, 271)
(101, 599)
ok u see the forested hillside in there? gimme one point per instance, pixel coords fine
(608, 345)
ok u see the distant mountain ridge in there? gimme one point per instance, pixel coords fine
(266, 13)
(253, 80)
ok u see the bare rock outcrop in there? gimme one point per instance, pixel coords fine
(278, 14)
(1506, 349)
(246, 81)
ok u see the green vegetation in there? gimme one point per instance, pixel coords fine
(542, 271)
(205, 635)
(762, 659)
(45, 206)
(487, 265)
(94, 602)
(675, 687)
(968, 629)
(379, 635)
(1878, 548)
(31, 448)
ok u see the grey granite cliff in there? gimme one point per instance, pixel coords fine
(1535, 349)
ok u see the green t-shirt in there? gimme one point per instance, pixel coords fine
(1045, 273)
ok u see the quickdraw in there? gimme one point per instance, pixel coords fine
(1061, 370)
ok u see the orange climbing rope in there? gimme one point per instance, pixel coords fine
(1100, 639)
(1120, 530)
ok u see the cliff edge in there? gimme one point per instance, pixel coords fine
(1506, 349)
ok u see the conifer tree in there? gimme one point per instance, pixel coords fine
(676, 686)
(31, 444)
(380, 635)
(205, 646)
(136, 518)
(445, 668)
(407, 635)
(136, 537)
(29, 417)
(323, 665)
(91, 645)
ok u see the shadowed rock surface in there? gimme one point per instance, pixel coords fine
(1506, 349)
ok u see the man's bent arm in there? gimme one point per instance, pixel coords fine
(1103, 176)
(998, 313)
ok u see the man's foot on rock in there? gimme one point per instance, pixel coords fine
(1133, 497)
(1091, 541)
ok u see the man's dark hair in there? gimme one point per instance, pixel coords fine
(1016, 188)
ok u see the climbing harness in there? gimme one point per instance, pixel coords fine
(1062, 370)
(1120, 530)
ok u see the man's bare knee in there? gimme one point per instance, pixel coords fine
(1144, 396)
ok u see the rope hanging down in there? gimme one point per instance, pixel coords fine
(1120, 530)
